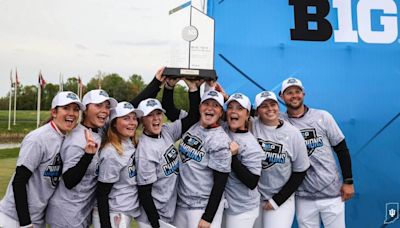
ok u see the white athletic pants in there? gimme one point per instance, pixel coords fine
(118, 220)
(281, 217)
(243, 220)
(185, 218)
(309, 213)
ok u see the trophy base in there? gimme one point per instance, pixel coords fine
(190, 73)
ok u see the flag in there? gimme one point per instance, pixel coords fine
(11, 79)
(16, 78)
(41, 81)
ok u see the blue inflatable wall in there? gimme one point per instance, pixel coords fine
(347, 54)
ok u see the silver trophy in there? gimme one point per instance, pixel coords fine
(191, 43)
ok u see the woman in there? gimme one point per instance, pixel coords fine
(285, 164)
(117, 196)
(157, 159)
(73, 201)
(243, 198)
(206, 158)
(39, 166)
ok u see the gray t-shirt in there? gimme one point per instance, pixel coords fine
(284, 152)
(239, 197)
(320, 132)
(157, 163)
(73, 207)
(39, 152)
(121, 171)
(202, 151)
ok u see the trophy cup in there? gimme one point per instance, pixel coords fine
(191, 44)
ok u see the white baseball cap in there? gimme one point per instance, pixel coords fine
(65, 98)
(215, 95)
(149, 105)
(98, 96)
(242, 99)
(265, 95)
(291, 82)
(124, 108)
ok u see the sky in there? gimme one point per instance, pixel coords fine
(80, 38)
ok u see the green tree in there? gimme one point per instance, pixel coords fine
(27, 98)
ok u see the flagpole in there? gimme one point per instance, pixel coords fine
(15, 96)
(38, 103)
(10, 101)
(61, 86)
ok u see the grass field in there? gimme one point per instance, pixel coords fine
(25, 122)
(8, 159)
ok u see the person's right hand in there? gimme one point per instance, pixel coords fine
(91, 145)
(159, 74)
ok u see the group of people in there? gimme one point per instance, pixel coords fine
(221, 164)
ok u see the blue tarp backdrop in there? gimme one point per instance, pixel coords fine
(347, 54)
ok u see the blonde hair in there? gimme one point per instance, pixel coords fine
(113, 137)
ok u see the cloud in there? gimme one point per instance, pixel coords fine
(80, 46)
(102, 55)
(140, 43)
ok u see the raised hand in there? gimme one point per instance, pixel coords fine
(91, 145)
(192, 84)
(159, 74)
(171, 82)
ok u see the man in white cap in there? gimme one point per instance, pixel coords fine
(322, 193)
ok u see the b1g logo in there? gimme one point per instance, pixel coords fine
(172, 165)
(312, 13)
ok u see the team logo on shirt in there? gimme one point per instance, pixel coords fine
(311, 139)
(172, 165)
(190, 148)
(132, 166)
(274, 153)
(54, 170)
(96, 172)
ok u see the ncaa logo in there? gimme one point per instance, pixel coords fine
(376, 21)
(72, 96)
(151, 103)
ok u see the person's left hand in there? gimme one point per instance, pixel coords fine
(347, 191)
(268, 206)
(204, 224)
(234, 148)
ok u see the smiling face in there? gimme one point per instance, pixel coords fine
(126, 125)
(293, 97)
(153, 122)
(236, 116)
(210, 112)
(65, 117)
(268, 112)
(96, 114)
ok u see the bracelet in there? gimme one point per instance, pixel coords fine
(348, 181)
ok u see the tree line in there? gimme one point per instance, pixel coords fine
(117, 87)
